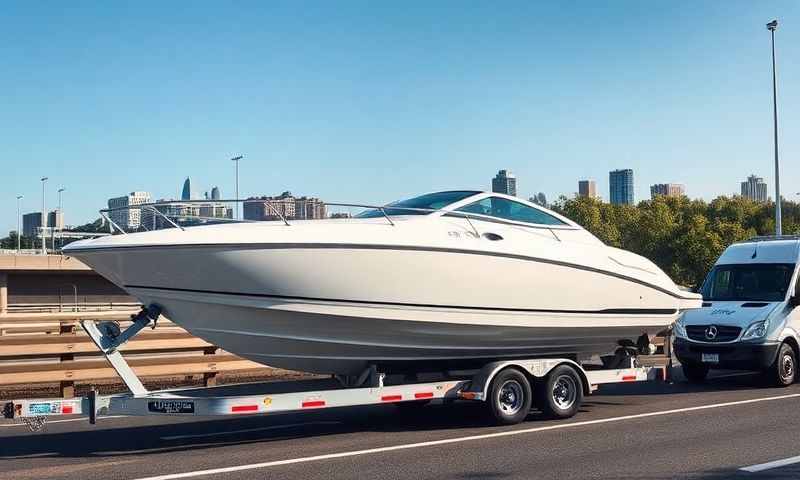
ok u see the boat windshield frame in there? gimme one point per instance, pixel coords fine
(386, 211)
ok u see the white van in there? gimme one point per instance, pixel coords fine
(750, 318)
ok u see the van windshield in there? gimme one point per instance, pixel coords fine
(765, 282)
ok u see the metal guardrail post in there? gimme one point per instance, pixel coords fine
(3, 292)
(66, 387)
(210, 378)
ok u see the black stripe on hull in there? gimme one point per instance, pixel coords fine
(607, 311)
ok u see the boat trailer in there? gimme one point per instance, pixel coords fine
(509, 388)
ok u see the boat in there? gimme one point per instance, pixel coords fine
(447, 279)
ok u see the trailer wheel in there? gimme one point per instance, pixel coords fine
(510, 397)
(695, 372)
(560, 393)
(784, 370)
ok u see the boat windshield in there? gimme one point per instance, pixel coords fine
(430, 201)
(766, 282)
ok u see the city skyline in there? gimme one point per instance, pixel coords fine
(417, 99)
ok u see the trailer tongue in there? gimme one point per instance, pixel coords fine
(509, 388)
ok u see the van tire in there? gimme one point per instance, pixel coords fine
(695, 372)
(783, 371)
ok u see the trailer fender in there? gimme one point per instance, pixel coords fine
(534, 368)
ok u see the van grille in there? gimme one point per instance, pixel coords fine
(724, 333)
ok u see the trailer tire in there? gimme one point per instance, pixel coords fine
(510, 397)
(695, 372)
(560, 393)
(783, 371)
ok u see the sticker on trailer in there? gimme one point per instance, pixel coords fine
(171, 406)
(267, 401)
(45, 408)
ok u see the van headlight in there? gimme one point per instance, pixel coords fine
(680, 329)
(756, 330)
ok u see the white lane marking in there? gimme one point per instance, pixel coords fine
(82, 419)
(248, 430)
(770, 465)
(446, 441)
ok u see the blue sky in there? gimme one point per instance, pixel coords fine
(373, 101)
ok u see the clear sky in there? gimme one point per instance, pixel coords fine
(373, 101)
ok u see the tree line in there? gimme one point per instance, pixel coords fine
(682, 236)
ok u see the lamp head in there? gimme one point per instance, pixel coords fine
(772, 26)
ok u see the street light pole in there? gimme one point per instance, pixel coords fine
(771, 26)
(19, 233)
(59, 216)
(44, 219)
(236, 160)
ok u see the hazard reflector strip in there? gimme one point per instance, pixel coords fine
(244, 408)
(423, 395)
(314, 403)
(391, 398)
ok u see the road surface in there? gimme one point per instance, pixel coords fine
(734, 427)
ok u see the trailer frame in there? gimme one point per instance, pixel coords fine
(370, 388)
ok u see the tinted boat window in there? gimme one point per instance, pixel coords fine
(510, 210)
(430, 201)
(766, 282)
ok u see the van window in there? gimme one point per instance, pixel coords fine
(765, 282)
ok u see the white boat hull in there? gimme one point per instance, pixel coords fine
(335, 308)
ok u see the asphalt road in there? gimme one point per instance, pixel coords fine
(637, 431)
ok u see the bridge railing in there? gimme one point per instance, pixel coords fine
(46, 347)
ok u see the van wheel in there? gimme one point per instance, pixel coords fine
(695, 372)
(560, 394)
(784, 371)
(510, 397)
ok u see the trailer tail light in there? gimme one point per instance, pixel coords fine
(629, 378)
(314, 404)
(391, 398)
(66, 409)
(423, 395)
(244, 408)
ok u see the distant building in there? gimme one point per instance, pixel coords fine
(215, 194)
(505, 182)
(755, 189)
(621, 186)
(31, 222)
(186, 194)
(129, 218)
(667, 190)
(55, 219)
(284, 205)
(587, 188)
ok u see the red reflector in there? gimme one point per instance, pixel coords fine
(244, 408)
(423, 395)
(629, 378)
(315, 403)
(66, 409)
(391, 398)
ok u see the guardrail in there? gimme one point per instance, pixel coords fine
(52, 348)
(71, 307)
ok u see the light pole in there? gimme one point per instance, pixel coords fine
(771, 26)
(236, 160)
(44, 219)
(59, 218)
(19, 233)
